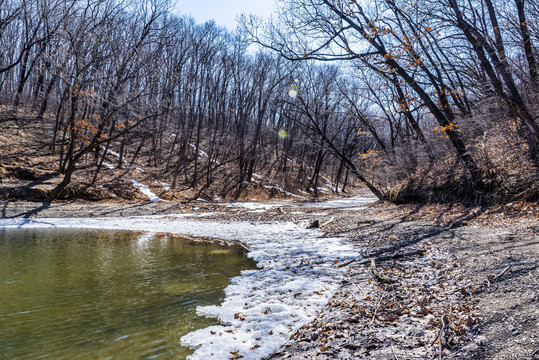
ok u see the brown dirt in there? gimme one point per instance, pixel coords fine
(476, 268)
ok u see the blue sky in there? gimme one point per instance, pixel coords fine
(224, 12)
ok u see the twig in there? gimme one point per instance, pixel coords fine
(347, 263)
(395, 355)
(329, 221)
(374, 312)
(439, 337)
(495, 278)
(487, 281)
(365, 221)
(384, 258)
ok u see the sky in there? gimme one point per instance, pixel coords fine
(224, 12)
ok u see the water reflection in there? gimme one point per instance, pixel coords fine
(103, 294)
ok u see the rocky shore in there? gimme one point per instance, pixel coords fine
(445, 282)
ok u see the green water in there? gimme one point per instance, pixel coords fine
(106, 294)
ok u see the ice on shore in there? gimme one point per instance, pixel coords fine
(263, 308)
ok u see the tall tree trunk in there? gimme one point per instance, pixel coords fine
(46, 96)
(527, 43)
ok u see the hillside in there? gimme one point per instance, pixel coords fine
(29, 171)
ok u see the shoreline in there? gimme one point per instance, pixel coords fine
(486, 261)
(273, 301)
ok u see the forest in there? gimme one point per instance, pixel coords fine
(417, 100)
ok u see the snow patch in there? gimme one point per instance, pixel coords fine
(274, 185)
(357, 202)
(200, 152)
(145, 190)
(331, 185)
(114, 153)
(164, 185)
(254, 205)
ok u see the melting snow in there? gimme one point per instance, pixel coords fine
(200, 152)
(350, 203)
(164, 185)
(298, 274)
(145, 190)
(274, 185)
(255, 205)
(262, 308)
(114, 153)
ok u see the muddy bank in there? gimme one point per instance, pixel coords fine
(434, 282)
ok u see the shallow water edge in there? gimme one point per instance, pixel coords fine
(262, 308)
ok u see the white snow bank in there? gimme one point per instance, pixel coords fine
(252, 205)
(357, 202)
(114, 153)
(298, 274)
(145, 190)
(350, 203)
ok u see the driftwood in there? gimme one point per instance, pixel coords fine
(397, 255)
(379, 276)
(366, 221)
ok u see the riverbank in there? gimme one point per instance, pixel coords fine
(261, 308)
(469, 275)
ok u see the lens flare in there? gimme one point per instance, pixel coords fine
(282, 134)
(293, 90)
(296, 81)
